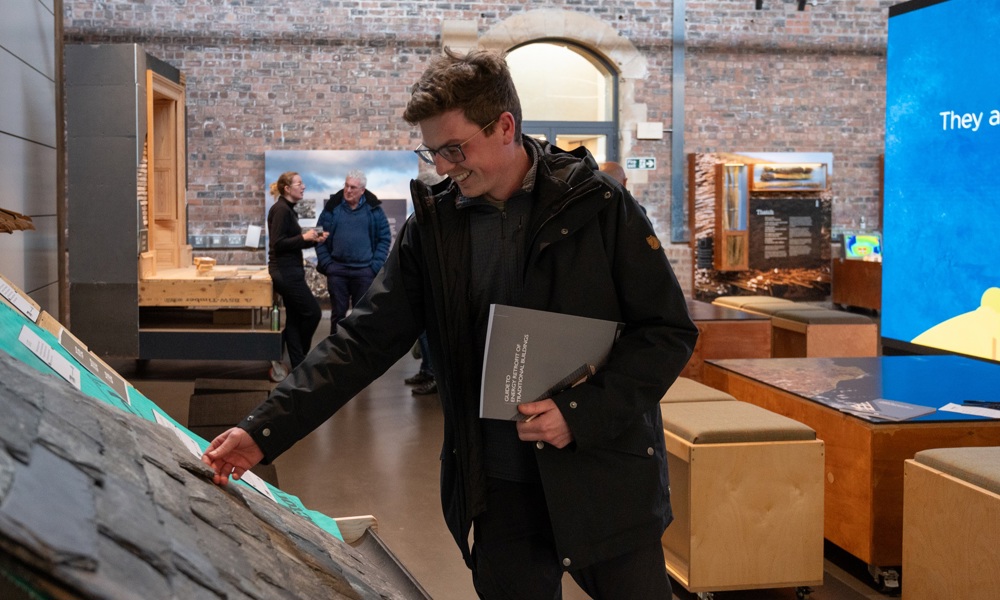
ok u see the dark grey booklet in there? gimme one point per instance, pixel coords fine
(534, 354)
(881, 409)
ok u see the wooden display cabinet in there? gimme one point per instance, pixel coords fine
(857, 283)
(732, 198)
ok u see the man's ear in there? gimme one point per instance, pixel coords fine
(505, 122)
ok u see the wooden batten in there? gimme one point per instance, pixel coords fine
(147, 264)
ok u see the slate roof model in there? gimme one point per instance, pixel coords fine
(99, 503)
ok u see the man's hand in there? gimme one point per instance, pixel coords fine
(544, 423)
(233, 452)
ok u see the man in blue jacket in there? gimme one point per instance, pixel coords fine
(582, 486)
(357, 246)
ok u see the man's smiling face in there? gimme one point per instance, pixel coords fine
(483, 168)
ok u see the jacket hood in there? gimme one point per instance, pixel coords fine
(571, 166)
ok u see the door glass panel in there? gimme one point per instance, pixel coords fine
(558, 82)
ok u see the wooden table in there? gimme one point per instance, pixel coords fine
(864, 460)
(226, 286)
(215, 314)
(726, 333)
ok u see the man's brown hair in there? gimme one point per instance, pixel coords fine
(478, 83)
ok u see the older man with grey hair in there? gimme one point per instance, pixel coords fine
(357, 246)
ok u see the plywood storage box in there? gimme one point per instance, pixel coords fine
(747, 494)
(951, 524)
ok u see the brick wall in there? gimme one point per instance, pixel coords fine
(334, 75)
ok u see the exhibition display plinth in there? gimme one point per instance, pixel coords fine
(747, 495)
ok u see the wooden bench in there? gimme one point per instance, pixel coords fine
(747, 495)
(821, 332)
(951, 523)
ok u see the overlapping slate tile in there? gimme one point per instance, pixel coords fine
(102, 504)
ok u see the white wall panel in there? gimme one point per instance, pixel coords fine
(29, 175)
(12, 257)
(28, 99)
(27, 31)
(28, 146)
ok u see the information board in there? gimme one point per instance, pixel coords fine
(788, 233)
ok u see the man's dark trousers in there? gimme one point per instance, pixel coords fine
(346, 285)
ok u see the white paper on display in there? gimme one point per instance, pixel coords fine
(253, 236)
(258, 484)
(20, 302)
(249, 477)
(57, 362)
(971, 410)
(190, 444)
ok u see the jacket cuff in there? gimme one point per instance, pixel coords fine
(264, 436)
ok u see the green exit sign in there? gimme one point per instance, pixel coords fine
(643, 163)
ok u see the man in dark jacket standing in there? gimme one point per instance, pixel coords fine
(582, 487)
(357, 246)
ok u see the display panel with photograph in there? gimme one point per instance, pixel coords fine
(788, 177)
(323, 171)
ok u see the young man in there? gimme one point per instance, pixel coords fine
(582, 486)
(357, 246)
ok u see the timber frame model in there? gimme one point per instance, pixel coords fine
(133, 288)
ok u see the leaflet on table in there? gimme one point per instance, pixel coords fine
(886, 410)
(529, 351)
(980, 411)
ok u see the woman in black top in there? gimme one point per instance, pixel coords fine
(285, 264)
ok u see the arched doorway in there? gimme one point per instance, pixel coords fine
(590, 39)
(574, 105)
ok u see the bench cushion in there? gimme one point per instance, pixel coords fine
(730, 421)
(741, 301)
(772, 308)
(979, 466)
(821, 316)
(689, 390)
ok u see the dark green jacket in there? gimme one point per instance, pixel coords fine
(592, 253)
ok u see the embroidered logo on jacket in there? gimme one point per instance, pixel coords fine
(653, 242)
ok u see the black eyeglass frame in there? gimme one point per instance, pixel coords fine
(452, 153)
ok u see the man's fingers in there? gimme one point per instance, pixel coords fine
(221, 445)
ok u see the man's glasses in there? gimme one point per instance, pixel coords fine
(452, 153)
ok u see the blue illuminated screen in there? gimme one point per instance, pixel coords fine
(941, 268)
